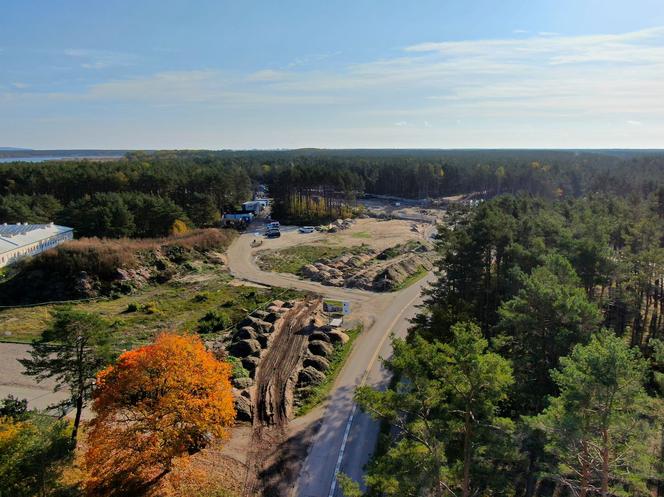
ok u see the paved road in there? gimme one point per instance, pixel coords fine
(347, 436)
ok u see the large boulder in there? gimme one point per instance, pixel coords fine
(248, 321)
(260, 314)
(245, 348)
(319, 335)
(272, 317)
(321, 348)
(244, 409)
(338, 336)
(263, 326)
(244, 333)
(309, 376)
(263, 340)
(250, 364)
(317, 362)
(242, 383)
(277, 303)
(310, 271)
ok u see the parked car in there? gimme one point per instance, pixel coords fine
(273, 234)
(306, 229)
(274, 225)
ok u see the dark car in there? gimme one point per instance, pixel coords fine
(273, 234)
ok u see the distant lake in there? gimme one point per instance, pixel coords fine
(45, 158)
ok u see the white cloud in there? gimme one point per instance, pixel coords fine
(311, 59)
(100, 59)
(267, 75)
(529, 87)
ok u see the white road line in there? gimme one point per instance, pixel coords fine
(333, 485)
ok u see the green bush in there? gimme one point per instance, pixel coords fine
(132, 307)
(199, 298)
(213, 321)
(238, 370)
(33, 451)
(150, 308)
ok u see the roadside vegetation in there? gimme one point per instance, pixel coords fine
(293, 259)
(90, 268)
(137, 318)
(155, 407)
(319, 392)
(412, 279)
(535, 367)
(198, 297)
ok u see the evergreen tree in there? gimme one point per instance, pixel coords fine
(72, 351)
(544, 320)
(598, 428)
(445, 408)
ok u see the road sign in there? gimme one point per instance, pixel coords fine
(333, 306)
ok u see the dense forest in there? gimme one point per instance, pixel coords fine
(536, 365)
(146, 192)
(134, 198)
(535, 368)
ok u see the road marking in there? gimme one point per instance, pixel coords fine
(333, 485)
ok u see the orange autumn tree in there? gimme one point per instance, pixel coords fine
(156, 404)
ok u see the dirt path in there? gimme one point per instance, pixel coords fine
(300, 458)
(278, 367)
(274, 395)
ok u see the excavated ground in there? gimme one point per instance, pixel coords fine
(273, 392)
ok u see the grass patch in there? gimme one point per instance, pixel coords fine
(137, 318)
(320, 391)
(293, 259)
(402, 248)
(361, 234)
(412, 279)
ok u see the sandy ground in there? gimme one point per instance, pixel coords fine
(404, 211)
(320, 433)
(377, 234)
(304, 465)
(14, 382)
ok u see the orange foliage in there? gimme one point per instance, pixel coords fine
(158, 403)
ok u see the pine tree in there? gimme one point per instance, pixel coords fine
(598, 428)
(445, 408)
(72, 351)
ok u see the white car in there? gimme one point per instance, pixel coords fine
(306, 229)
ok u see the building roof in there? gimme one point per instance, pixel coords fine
(13, 236)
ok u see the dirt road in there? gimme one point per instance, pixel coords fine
(345, 437)
(273, 385)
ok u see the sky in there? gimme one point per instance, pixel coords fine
(254, 74)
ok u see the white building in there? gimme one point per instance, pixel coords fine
(23, 239)
(254, 206)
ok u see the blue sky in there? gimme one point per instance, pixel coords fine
(338, 74)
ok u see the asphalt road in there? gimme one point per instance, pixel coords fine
(346, 437)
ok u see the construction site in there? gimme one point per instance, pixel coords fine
(289, 349)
